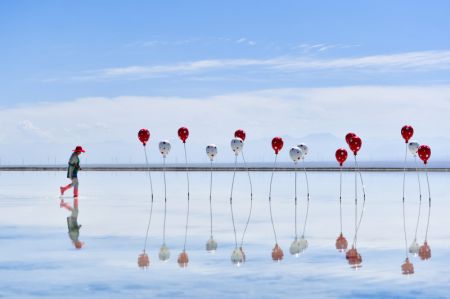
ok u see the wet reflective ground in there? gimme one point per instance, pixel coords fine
(38, 259)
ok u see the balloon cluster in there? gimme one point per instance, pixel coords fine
(424, 153)
(296, 154)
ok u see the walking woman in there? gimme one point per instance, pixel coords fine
(72, 171)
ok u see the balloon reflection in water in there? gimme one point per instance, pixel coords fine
(183, 259)
(298, 153)
(341, 157)
(407, 267)
(211, 244)
(413, 147)
(164, 252)
(143, 259)
(239, 133)
(354, 258)
(424, 152)
(236, 256)
(277, 252)
(237, 145)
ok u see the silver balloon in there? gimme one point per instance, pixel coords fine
(413, 147)
(164, 147)
(211, 245)
(304, 149)
(236, 145)
(237, 257)
(211, 151)
(295, 153)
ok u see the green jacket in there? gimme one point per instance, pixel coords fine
(74, 166)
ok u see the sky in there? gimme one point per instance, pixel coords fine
(94, 72)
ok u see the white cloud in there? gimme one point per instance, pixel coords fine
(159, 43)
(108, 126)
(322, 47)
(246, 41)
(418, 61)
(162, 70)
(30, 130)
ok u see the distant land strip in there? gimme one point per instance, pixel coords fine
(219, 168)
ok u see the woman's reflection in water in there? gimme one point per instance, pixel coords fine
(72, 222)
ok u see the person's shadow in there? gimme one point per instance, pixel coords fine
(72, 222)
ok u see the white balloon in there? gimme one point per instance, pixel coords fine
(413, 146)
(304, 148)
(295, 248)
(414, 248)
(303, 243)
(164, 253)
(164, 147)
(211, 151)
(236, 145)
(295, 153)
(298, 246)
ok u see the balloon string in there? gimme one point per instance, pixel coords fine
(340, 196)
(231, 201)
(307, 199)
(270, 199)
(251, 199)
(187, 214)
(364, 196)
(295, 200)
(429, 203)
(356, 203)
(165, 200)
(403, 202)
(420, 198)
(210, 199)
(151, 204)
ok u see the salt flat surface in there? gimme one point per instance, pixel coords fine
(37, 259)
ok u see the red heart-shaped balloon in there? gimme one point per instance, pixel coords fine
(183, 133)
(348, 137)
(240, 134)
(355, 144)
(144, 136)
(424, 153)
(341, 155)
(277, 144)
(407, 133)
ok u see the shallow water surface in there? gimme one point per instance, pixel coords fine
(39, 260)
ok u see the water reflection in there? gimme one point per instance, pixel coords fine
(72, 222)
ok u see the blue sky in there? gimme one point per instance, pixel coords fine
(58, 52)
(58, 40)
